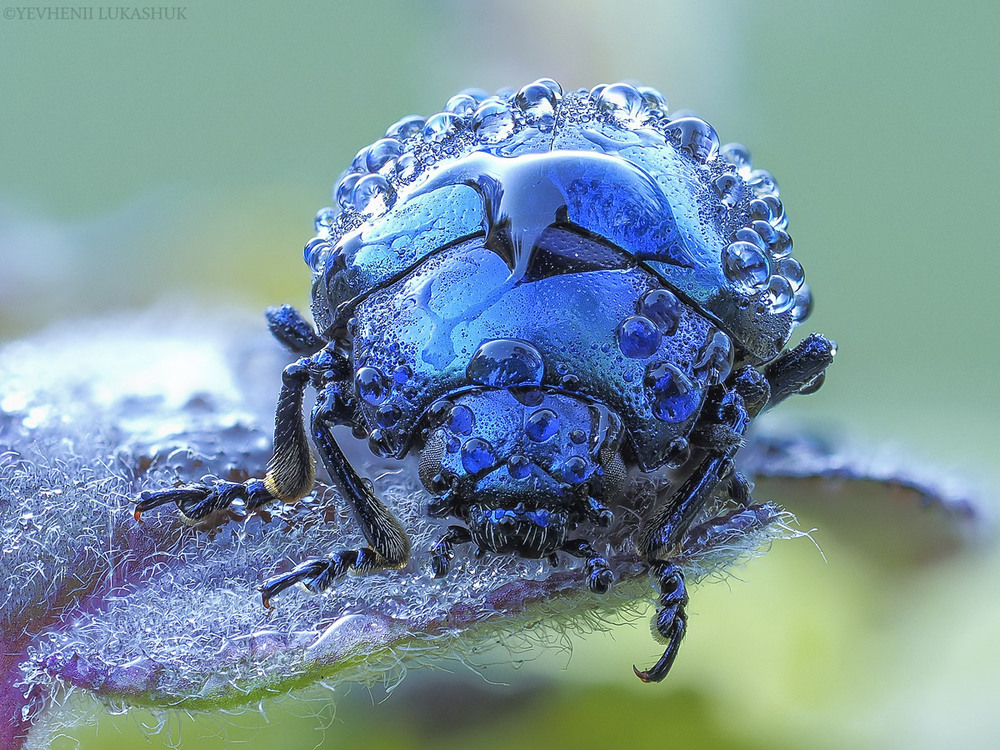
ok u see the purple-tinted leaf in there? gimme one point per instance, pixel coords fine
(164, 615)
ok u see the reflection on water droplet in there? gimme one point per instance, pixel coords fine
(502, 363)
(406, 166)
(780, 295)
(763, 183)
(438, 127)
(623, 104)
(791, 269)
(492, 122)
(638, 337)
(462, 105)
(541, 425)
(695, 136)
(519, 467)
(366, 190)
(404, 128)
(316, 252)
(371, 384)
(663, 308)
(538, 102)
(673, 397)
(739, 156)
(745, 264)
(715, 360)
(655, 101)
(461, 420)
(344, 189)
(382, 154)
(574, 469)
(325, 219)
(477, 455)
(803, 304)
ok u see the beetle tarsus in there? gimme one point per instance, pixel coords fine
(671, 620)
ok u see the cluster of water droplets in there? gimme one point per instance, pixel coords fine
(757, 261)
(759, 256)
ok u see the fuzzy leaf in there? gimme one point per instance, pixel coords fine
(164, 615)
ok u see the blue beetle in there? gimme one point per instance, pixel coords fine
(538, 291)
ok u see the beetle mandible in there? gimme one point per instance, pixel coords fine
(538, 291)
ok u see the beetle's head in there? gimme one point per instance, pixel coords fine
(522, 466)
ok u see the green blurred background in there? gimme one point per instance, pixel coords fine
(145, 160)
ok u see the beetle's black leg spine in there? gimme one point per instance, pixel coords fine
(294, 332)
(599, 574)
(442, 553)
(671, 619)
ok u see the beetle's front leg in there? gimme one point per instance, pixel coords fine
(388, 543)
(290, 471)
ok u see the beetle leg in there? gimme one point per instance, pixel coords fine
(671, 620)
(599, 573)
(290, 471)
(389, 545)
(292, 330)
(726, 419)
(442, 553)
(799, 370)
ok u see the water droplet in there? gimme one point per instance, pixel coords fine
(477, 455)
(387, 415)
(663, 308)
(767, 233)
(783, 247)
(745, 264)
(695, 136)
(325, 218)
(371, 385)
(541, 425)
(453, 444)
(739, 156)
(791, 269)
(552, 85)
(655, 101)
(342, 192)
(623, 104)
(492, 122)
(461, 419)
(367, 190)
(678, 453)
(519, 467)
(729, 188)
(763, 183)
(579, 437)
(382, 155)
(401, 374)
(758, 209)
(673, 397)
(574, 469)
(715, 360)
(803, 304)
(538, 102)
(439, 412)
(780, 296)
(381, 443)
(638, 337)
(316, 252)
(502, 363)
(778, 218)
(462, 105)
(746, 234)
(406, 166)
(360, 161)
(438, 127)
(595, 93)
(404, 128)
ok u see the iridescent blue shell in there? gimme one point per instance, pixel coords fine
(583, 242)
